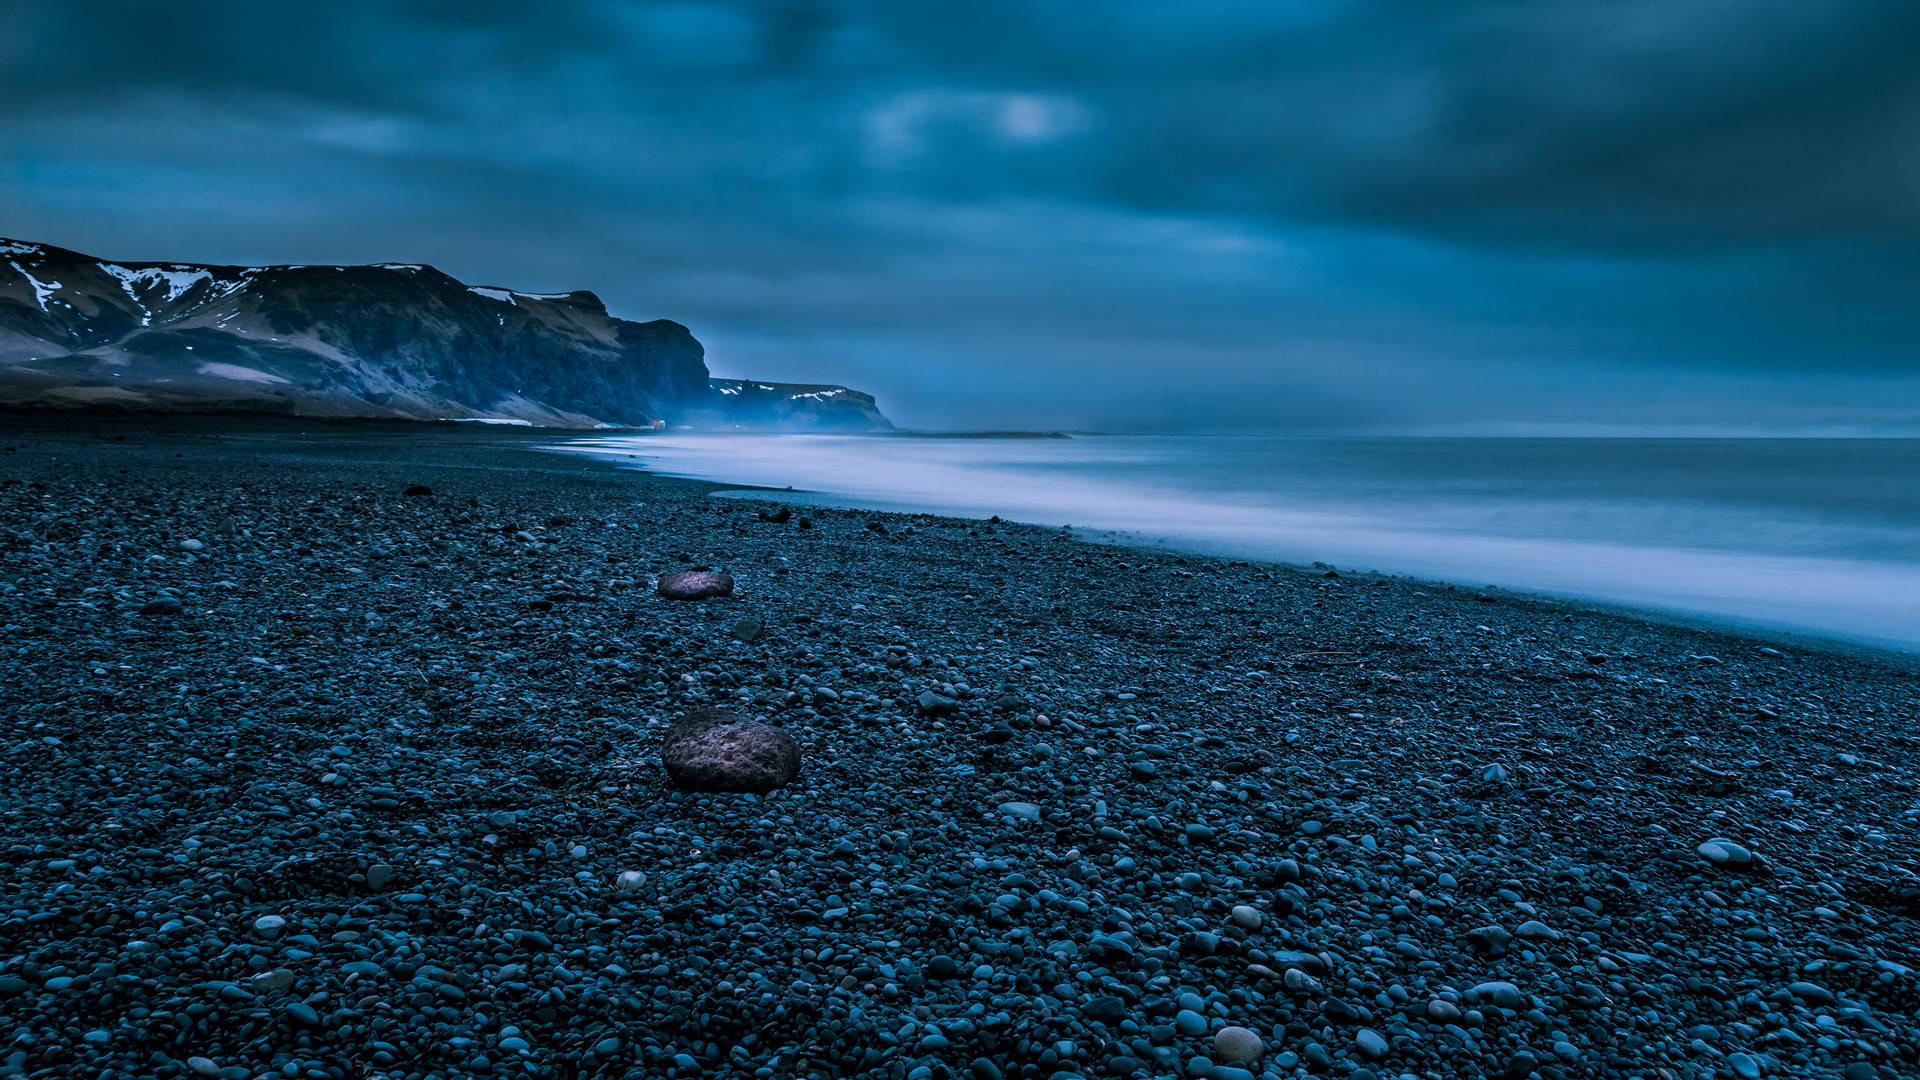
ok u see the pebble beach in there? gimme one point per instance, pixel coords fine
(334, 750)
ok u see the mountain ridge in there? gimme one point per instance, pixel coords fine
(383, 340)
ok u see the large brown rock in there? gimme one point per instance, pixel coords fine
(715, 750)
(695, 585)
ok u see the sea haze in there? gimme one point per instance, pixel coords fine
(1809, 535)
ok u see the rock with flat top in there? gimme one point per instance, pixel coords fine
(695, 585)
(715, 750)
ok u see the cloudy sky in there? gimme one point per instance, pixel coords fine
(1129, 215)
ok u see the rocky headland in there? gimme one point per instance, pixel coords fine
(388, 341)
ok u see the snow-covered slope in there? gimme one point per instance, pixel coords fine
(391, 340)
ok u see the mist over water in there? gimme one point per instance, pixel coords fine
(1809, 535)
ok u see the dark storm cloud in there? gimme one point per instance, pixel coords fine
(1316, 200)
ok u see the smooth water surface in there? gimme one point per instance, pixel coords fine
(1814, 535)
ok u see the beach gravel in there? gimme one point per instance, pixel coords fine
(370, 784)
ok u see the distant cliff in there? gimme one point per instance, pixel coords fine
(391, 340)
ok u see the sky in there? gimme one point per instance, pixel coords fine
(1235, 215)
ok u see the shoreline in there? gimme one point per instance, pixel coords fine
(355, 782)
(1772, 633)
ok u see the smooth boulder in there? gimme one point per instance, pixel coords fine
(695, 585)
(715, 750)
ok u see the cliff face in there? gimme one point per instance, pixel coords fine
(392, 340)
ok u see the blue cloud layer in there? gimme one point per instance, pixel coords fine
(1690, 211)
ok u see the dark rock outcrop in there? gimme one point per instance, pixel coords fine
(715, 750)
(395, 341)
(752, 404)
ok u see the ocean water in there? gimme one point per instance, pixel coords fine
(1816, 536)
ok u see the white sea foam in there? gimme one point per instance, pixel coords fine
(1809, 535)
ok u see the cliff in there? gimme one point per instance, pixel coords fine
(392, 340)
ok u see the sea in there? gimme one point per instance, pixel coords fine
(1801, 536)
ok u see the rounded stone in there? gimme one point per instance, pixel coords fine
(715, 750)
(269, 926)
(1190, 1023)
(1245, 917)
(1238, 1044)
(1501, 993)
(694, 585)
(1723, 852)
(1370, 1043)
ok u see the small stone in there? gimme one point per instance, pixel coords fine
(1535, 930)
(303, 1015)
(748, 630)
(1723, 852)
(417, 490)
(378, 875)
(694, 585)
(1743, 1066)
(942, 967)
(713, 750)
(1370, 1044)
(1190, 1023)
(200, 1066)
(1023, 811)
(166, 605)
(269, 926)
(277, 981)
(1245, 917)
(1503, 994)
(1521, 1066)
(1490, 939)
(1238, 1044)
(1442, 1011)
(932, 704)
(630, 880)
(191, 545)
(1812, 993)
(1106, 1009)
(1300, 982)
